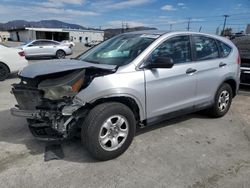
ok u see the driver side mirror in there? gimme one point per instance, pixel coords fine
(161, 62)
(30, 45)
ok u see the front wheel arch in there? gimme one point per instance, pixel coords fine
(128, 101)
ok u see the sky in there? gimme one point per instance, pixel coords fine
(206, 15)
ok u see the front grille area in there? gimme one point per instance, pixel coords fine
(27, 98)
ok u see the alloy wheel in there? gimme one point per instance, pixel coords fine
(113, 132)
(223, 100)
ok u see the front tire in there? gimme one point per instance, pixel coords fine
(108, 130)
(222, 102)
(4, 71)
(60, 54)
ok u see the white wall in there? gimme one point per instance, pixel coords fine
(75, 36)
(80, 36)
(24, 35)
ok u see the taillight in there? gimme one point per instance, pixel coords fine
(238, 60)
(21, 53)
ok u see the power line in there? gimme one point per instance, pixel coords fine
(188, 26)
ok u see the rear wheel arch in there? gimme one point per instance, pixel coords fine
(232, 84)
(59, 51)
(5, 65)
(7, 68)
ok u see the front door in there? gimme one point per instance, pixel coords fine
(171, 89)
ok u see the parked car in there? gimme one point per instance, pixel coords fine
(68, 43)
(92, 43)
(127, 81)
(243, 44)
(46, 48)
(11, 61)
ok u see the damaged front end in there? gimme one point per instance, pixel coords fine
(49, 101)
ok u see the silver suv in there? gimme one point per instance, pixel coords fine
(127, 81)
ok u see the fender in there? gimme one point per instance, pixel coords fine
(141, 109)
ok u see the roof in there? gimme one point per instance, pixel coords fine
(163, 32)
(44, 29)
(152, 32)
(57, 30)
(84, 30)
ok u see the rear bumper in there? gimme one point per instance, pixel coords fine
(68, 51)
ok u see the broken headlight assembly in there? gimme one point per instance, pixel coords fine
(65, 86)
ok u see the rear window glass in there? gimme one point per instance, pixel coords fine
(205, 48)
(224, 49)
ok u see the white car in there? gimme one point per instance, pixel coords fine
(45, 48)
(11, 61)
(68, 43)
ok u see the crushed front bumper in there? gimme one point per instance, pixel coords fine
(30, 114)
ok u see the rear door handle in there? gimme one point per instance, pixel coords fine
(222, 64)
(40, 47)
(190, 71)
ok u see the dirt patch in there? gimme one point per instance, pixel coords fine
(12, 159)
(212, 181)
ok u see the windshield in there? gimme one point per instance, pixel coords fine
(119, 50)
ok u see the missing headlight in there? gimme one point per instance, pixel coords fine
(65, 86)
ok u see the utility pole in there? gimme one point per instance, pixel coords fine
(200, 28)
(188, 27)
(126, 26)
(170, 27)
(122, 27)
(224, 25)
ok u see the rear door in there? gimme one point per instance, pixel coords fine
(171, 89)
(48, 48)
(210, 68)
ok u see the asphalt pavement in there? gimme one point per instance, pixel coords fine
(192, 151)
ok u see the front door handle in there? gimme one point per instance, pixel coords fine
(222, 64)
(40, 47)
(190, 71)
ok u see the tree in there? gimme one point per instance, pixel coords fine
(227, 32)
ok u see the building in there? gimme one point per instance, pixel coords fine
(248, 29)
(29, 33)
(4, 36)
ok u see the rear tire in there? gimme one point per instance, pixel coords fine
(4, 71)
(60, 54)
(222, 101)
(108, 130)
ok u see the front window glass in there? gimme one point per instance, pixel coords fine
(119, 50)
(36, 43)
(205, 48)
(176, 48)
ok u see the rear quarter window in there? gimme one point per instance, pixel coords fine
(225, 49)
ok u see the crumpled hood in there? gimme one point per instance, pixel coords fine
(60, 65)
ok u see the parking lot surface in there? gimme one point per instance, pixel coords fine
(191, 151)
